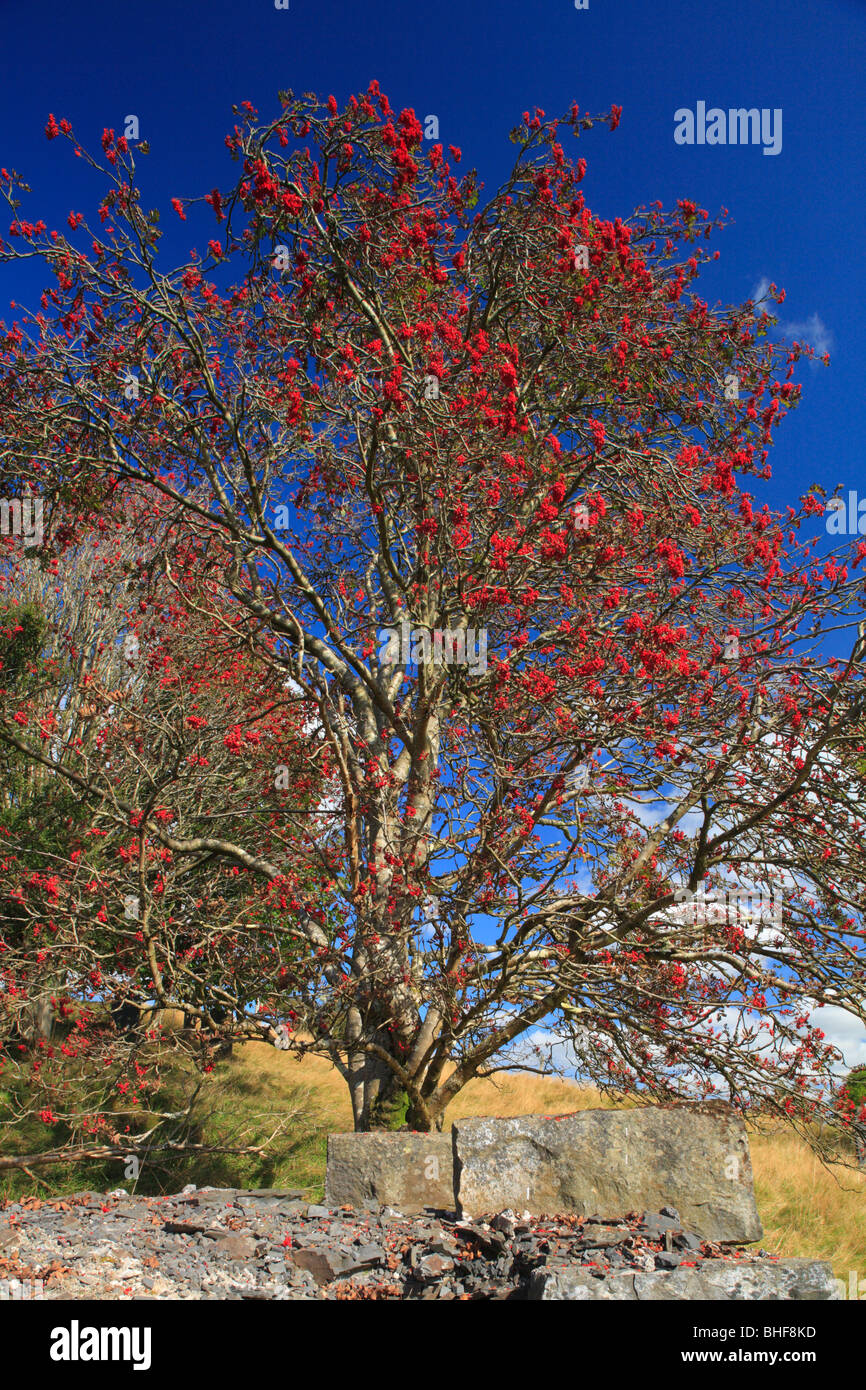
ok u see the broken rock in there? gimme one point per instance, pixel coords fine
(606, 1162)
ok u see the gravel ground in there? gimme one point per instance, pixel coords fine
(220, 1243)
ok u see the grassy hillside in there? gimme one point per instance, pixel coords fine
(806, 1209)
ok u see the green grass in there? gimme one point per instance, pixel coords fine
(241, 1103)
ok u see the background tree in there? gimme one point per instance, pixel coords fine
(372, 403)
(851, 1106)
(57, 622)
(100, 928)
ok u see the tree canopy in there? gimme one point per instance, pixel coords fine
(376, 424)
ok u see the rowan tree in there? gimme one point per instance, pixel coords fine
(377, 409)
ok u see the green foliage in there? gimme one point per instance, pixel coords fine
(855, 1085)
(47, 833)
(22, 633)
(850, 1099)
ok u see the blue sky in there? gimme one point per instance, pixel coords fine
(797, 217)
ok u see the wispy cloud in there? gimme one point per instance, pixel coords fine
(812, 330)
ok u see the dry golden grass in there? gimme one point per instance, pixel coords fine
(506, 1093)
(517, 1093)
(315, 1076)
(806, 1209)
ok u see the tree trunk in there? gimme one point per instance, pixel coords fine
(379, 1100)
(391, 1107)
(39, 1025)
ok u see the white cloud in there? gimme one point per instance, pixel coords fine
(812, 330)
(844, 1030)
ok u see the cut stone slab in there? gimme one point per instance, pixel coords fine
(604, 1163)
(805, 1280)
(405, 1170)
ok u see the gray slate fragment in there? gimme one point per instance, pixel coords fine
(233, 1247)
(599, 1237)
(685, 1240)
(282, 1194)
(324, 1265)
(362, 1257)
(433, 1266)
(668, 1260)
